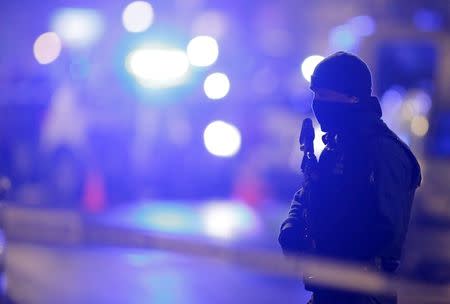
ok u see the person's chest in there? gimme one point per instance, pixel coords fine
(346, 171)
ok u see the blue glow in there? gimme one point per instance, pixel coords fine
(343, 38)
(362, 26)
(77, 27)
(161, 35)
(164, 217)
(428, 20)
(218, 219)
(171, 219)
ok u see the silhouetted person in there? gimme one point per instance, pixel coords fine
(360, 202)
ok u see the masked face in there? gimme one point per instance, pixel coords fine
(335, 116)
(335, 111)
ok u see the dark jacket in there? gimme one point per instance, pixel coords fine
(360, 205)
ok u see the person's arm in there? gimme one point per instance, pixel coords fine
(293, 228)
(393, 179)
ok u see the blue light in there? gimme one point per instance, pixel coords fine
(170, 219)
(392, 99)
(147, 86)
(217, 219)
(163, 217)
(362, 26)
(428, 20)
(391, 104)
(343, 38)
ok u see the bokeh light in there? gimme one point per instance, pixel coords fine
(47, 48)
(343, 38)
(407, 111)
(362, 25)
(419, 125)
(216, 86)
(158, 67)
(77, 27)
(428, 20)
(391, 102)
(203, 51)
(172, 218)
(222, 139)
(392, 98)
(137, 16)
(416, 102)
(419, 100)
(228, 219)
(309, 64)
(166, 217)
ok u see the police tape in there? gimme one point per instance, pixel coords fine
(68, 228)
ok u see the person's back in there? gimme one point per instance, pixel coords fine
(360, 202)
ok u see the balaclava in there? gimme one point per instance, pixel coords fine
(344, 73)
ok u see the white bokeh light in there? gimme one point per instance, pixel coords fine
(203, 51)
(309, 64)
(222, 139)
(158, 67)
(47, 48)
(77, 27)
(216, 86)
(228, 219)
(137, 16)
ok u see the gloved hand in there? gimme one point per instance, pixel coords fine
(290, 239)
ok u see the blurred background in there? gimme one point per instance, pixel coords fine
(183, 116)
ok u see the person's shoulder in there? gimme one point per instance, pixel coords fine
(394, 157)
(392, 146)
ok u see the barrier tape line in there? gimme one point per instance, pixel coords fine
(68, 228)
